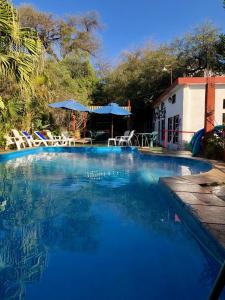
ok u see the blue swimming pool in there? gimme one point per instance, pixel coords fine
(95, 223)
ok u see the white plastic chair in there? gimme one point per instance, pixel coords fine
(116, 139)
(126, 139)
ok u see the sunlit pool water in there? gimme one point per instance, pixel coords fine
(97, 226)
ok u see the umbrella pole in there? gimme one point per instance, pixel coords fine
(112, 128)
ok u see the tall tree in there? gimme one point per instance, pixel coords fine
(20, 48)
(60, 36)
(197, 51)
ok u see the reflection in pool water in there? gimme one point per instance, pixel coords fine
(89, 226)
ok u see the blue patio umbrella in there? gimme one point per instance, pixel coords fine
(70, 104)
(112, 109)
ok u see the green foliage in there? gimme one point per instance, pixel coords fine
(197, 51)
(140, 77)
(67, 71)
(214, 147)
(20, 48)
(68, 34)
(69, 75)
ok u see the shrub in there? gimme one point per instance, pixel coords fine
(214, 146)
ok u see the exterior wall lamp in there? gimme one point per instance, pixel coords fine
(169, 68)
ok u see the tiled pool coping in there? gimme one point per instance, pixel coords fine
(192, 192)
(196, 194)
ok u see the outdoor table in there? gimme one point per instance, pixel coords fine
(144, 137)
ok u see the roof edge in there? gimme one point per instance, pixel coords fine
(190, 81)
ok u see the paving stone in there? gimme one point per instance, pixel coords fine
(210, 214)
(200, 199)
(219, 191)
(188, 187)
(210, 199)
(218, 231)
(176, 179)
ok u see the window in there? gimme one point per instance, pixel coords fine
(223, 119)
(162, 129)
(159, 128)
(170, 127)
(223, 103)
(175, 127)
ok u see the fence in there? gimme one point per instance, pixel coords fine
(94, 107)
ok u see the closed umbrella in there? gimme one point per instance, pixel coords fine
(112, 109)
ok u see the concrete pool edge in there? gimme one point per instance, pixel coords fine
(7, 155)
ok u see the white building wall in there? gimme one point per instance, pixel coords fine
(219, 110)
(194, 112)
(190, 106)
(172, 109)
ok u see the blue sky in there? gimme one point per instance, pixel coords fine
(131, 23)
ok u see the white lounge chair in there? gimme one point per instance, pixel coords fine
(69, 139)
(61, 141)
(18, 139)
(73, 140)
(116, 139)
(47, 142)
(31, 142)
(10, 141)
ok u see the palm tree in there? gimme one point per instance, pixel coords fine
(20, 48)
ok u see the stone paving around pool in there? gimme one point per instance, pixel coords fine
(204, 196)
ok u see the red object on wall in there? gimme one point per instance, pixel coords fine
(209, 104)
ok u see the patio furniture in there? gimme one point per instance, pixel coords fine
(72, 140)
(30, 141)
(146, 139)
(47, 142)
(10, 141)
(61, 141)
(72, 105)
(153, 138)
(84, 140)
(112, 109)
(18, 139)
(69, 139)
(126, 139)
(117, 138)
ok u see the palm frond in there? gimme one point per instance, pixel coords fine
(20, 48)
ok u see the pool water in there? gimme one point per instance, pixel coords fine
(97, 226)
